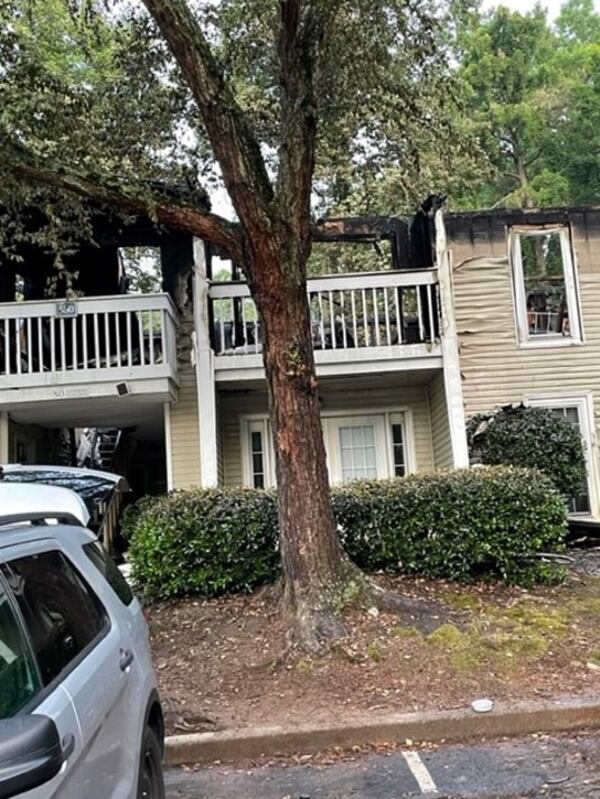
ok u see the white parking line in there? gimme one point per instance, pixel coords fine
(420, 772)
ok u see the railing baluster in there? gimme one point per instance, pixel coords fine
(431, 319)
(74, 342)
(29, 347)
(63, 345)
(388, 331)
(52, 344)
(354, 322)
(420, 315)
(7, 346)
(321, 319)
(233, 325)
(40, 346)
(140, 322)
(97, 363)
(129, 345)
(398, 303)
(84, 324)
(222, 328)
(117, 318)
(376, 313)
(257, 342)
(163, 338)
(343, 313)
(244, 329)
(332, 320)
(18, 344)
(107, 358)
(365, 317)
(151, 324)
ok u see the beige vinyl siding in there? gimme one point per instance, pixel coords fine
(495, 370)
(440, 427)
(185, 433)
(234, 407)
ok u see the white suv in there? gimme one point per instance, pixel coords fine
(79, 709)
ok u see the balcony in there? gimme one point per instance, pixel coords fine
(361, 323)
(89, 347)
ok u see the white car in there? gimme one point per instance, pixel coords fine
(80, 715)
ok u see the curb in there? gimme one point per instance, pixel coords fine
(506, 719)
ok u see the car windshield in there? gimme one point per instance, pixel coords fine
(92, 488)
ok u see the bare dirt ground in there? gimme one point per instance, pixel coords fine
(226, 663)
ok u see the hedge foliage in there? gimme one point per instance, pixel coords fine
(486, 522)
(535, 438)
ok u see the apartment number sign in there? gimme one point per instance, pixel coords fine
(66, 309)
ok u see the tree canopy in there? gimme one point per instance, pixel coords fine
(532, 89)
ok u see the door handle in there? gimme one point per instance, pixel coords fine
(126, 659)
(68, 746)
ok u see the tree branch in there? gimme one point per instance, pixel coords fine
(304, 27)
(185, 218)
(233, 141)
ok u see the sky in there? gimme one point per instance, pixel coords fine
(553, 6)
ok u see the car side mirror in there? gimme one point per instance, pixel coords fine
(30, 754)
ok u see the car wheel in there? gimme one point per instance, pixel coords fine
(150, 783)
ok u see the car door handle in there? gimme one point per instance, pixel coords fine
(68, 746)
(126, 659)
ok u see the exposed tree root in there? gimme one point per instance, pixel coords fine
(317, 615)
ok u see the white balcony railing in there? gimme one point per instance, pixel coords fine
(87, 338)
(383, 309)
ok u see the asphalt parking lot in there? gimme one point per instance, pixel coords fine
(538, 766)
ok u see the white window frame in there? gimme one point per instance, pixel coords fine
(585, 406)
(524, 339)
(383, 418)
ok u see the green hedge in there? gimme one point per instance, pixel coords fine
(486, 522)
(204, 541)
(534, 438)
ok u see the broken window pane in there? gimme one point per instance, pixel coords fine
(545, 286)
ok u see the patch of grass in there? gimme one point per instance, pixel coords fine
(374, 652)
(305, 667)
(447, 636)
(404, 632)
(461, 601)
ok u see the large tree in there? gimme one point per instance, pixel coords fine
(271, 93)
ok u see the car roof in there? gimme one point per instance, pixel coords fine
(75, 471)
(33, 500)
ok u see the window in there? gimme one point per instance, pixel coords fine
(19, 679)
(579, 411)
(580, 502)
(398, 455)
(358, 453)
(109, 570)
(62, 615)
(544, 278)
(358, 447)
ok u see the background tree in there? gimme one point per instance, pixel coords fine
(95, 105)
(532, 89)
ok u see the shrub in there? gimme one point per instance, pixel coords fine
(477, 523)
(206, 542)
(535, 438)
(483, 522)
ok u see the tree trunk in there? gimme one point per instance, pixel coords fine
(315, 568)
